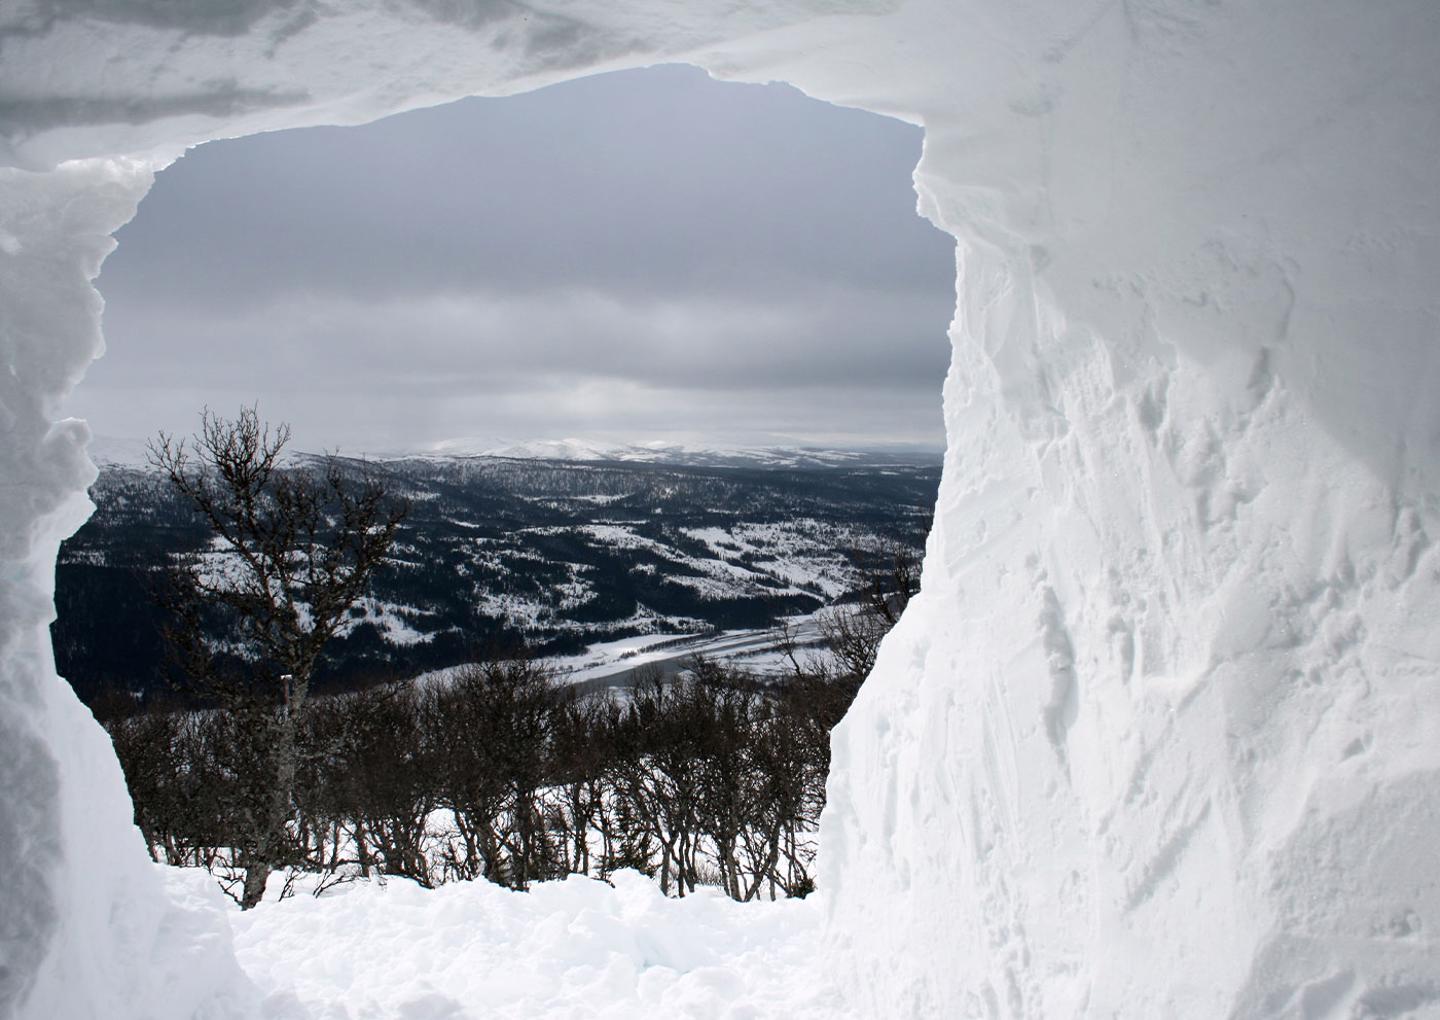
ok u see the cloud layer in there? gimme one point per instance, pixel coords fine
(638, 255)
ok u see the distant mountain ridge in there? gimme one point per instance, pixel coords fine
(108, 451)
(690, 455)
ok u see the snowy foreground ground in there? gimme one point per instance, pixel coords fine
(577, 948)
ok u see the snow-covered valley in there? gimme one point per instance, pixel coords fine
(503, 552)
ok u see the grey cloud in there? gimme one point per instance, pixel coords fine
(816, 336)
(647, 250)
(637, 181)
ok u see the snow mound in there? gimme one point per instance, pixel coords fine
(571, 949)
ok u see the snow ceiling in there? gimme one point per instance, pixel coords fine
(1161, 737)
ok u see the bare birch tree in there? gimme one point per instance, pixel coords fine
(293, 550)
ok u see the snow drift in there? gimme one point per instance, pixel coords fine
(1161, 735)
(569, 949)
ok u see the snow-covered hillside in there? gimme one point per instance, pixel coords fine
(554, 554)
(1160, 735)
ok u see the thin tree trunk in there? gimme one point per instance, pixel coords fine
(256, 874)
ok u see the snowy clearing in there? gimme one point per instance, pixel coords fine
(571, 949)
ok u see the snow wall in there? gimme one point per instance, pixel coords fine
(1161, 736)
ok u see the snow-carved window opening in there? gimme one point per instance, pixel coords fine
(1189, 489)
(195, 317)
(650, 255)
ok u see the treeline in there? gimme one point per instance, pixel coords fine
(503, 773)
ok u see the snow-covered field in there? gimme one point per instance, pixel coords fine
(573, 949)
(754, 650)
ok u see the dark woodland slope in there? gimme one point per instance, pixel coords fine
(496, 551)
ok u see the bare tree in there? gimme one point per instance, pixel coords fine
(853, 631)
(492, 727)
(294, 548)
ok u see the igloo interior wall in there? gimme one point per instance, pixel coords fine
(1160, 735)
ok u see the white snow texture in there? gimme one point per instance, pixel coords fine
(1161, 736)
(576, 949)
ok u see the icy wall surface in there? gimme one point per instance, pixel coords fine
(1161, 736)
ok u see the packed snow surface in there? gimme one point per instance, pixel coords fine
(1160, 737)
(572, 949)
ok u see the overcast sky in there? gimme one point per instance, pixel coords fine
(635, 256)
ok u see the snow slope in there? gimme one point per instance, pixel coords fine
(573, 949)
(1160, 737)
